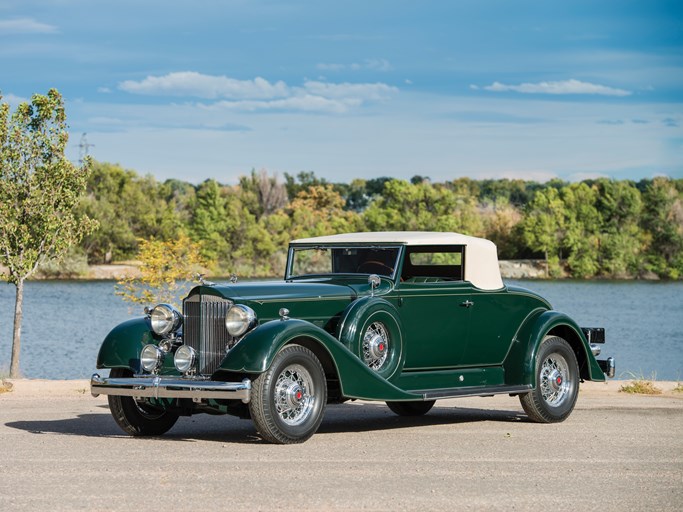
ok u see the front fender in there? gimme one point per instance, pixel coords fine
(255, 353)
(520, 364)
(121, 347)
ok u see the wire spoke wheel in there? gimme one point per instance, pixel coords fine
(557, 383)
(294, 394)
(554, 382)
(376, 346)
(288, 400)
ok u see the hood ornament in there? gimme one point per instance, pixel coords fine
(200, 278)
(233, 278)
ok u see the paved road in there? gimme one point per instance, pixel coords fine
(60, 450)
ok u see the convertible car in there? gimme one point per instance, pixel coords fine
(405, 318)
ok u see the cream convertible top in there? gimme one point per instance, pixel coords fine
(481, 260)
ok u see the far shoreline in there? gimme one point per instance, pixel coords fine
(509, 269)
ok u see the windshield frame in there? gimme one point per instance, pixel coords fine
(295, 247)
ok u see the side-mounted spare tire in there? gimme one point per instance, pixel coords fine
(371, 329)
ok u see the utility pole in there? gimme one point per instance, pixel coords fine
(84, 149)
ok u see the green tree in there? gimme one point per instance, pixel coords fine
(212, 226)
(39, 192)
(582, 227)
(663, 223)
(404, 206)
(130, 208)
(543, 227)
(621, 239)
(319, 210)
(502, 225)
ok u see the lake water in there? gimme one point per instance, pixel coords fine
(65, 322)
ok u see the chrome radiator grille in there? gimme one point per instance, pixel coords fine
(204, 329)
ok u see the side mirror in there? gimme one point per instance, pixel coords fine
(373, 281)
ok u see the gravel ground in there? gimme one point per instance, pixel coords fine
(61, 450)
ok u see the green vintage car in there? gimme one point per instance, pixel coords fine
(405, 318)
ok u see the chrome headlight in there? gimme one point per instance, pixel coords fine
(239, 320)
(151, 358)
(185, 358)
(165, 319)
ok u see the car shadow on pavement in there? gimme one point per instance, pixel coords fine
(355, 417)
(371, 416)
(196, 428)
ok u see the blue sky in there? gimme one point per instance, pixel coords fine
(485, 89)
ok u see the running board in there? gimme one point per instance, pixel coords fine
(436, 394)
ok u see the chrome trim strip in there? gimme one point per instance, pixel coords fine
(435, 394)
(170, 387)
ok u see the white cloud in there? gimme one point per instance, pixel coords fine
(26, 26)
(331, 67)
(260, 94)
(13, 100)
(303, 103)
(367, 64)
(562, 87)
(191, 83)
(369, 92)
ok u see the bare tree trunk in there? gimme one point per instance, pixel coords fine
(547, 267)
(16, 340)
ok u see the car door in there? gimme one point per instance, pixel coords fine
(436, 321)
(434, 305)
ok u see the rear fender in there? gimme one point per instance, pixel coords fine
(255, 353)
(520, 364)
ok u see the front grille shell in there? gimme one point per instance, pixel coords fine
(204, 330)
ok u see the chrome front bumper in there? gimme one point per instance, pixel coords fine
(170, 387)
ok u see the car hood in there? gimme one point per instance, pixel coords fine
(316, 302)
(266, 291)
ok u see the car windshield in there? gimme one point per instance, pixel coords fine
(324, 260)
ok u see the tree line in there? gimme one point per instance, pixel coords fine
(594, 228)
(56, 217)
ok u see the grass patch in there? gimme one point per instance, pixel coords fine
(641, 387)
(5, 387)
(678, 388)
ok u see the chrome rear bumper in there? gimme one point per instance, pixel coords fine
(170, 387)
(608, 366)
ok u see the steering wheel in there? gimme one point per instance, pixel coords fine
(374, 267)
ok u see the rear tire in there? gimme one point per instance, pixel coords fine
(411, 408)
(557, 383)
(138, 419)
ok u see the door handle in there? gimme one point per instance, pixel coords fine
(467, 304)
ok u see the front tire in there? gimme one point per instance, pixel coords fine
(411, 408)
(138, 419)
(288, 400)
(557, 383)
